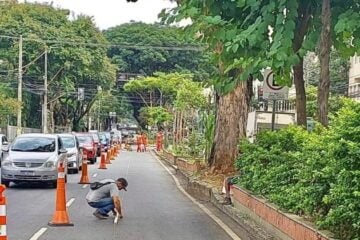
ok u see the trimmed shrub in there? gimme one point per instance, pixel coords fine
(316, 175)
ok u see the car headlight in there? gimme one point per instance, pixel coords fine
(71, 155)
(49, 164)
(7, 163)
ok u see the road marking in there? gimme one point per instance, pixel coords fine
(85, 186)
(95, 174)
(38, 234)
(205, 209)
(68, 204)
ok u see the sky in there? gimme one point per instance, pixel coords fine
(109, 13)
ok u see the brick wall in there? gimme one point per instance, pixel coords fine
(293, 228)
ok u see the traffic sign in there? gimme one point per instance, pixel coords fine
(272, 90)
(81, 94)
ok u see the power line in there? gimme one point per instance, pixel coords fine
(123, 46)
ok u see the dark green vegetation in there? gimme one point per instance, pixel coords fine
(311, 174)
(172, 51)
(69, 66)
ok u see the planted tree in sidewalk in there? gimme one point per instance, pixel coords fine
(174, 93)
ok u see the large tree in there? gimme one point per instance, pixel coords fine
(246, 36)
(71, 63)
(149, 48)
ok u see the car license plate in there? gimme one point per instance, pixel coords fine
(28, 173)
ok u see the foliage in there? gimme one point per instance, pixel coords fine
(335, 102)
(71, 64)
(173, 90)
(313, 174)
(208, 126)
(165, 84)
(192, 147)
(339, 72)
(154, 116)
(189, 96)
(180, 54)
(107, 101)
(8, 108)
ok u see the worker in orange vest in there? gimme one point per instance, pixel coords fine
(144, 141)
(138, 142)
(159, 139)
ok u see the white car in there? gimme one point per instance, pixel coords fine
(71, 144)
(34, 158)
(116, 136)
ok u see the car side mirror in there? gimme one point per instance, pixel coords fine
(62, 151)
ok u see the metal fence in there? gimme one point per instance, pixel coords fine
(11, 131)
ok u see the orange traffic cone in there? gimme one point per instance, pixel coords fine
(112, 153)
(60, 217)
(3, 235)
(107, 160)
(84, 171)
(103, 162)
(118, 149)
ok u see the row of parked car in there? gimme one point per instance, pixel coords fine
(36, 157)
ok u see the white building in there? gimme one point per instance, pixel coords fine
(354, 78)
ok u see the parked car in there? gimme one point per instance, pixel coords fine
(105, 141)
(3, 144)
(97, 141)
(115, 136)
(88, 146)
(74, 155)
(34, 158)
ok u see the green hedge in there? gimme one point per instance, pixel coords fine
(315, 175)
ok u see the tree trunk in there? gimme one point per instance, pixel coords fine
(325, 47)
(302, 25)
(300, 93)
(231, 119)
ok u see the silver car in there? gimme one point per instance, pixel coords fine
(34, 158)
(71, 144)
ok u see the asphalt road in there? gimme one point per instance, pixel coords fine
(153, 208)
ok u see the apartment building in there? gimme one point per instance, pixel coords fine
(354, 78)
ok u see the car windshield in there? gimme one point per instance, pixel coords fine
(95, 136)
(68, 142)
(102, 137)
(84, 139)
(34, 144)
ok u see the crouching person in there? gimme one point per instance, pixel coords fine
(104, 196)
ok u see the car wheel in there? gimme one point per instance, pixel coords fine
(6, 183)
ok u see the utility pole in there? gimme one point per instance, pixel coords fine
(44, 125)
(99, 106)
(19, 86)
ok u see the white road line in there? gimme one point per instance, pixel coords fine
(38, 234)
(206, 210)
(85, 185)
(68, 204)
(95, 174)
(127, 170)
